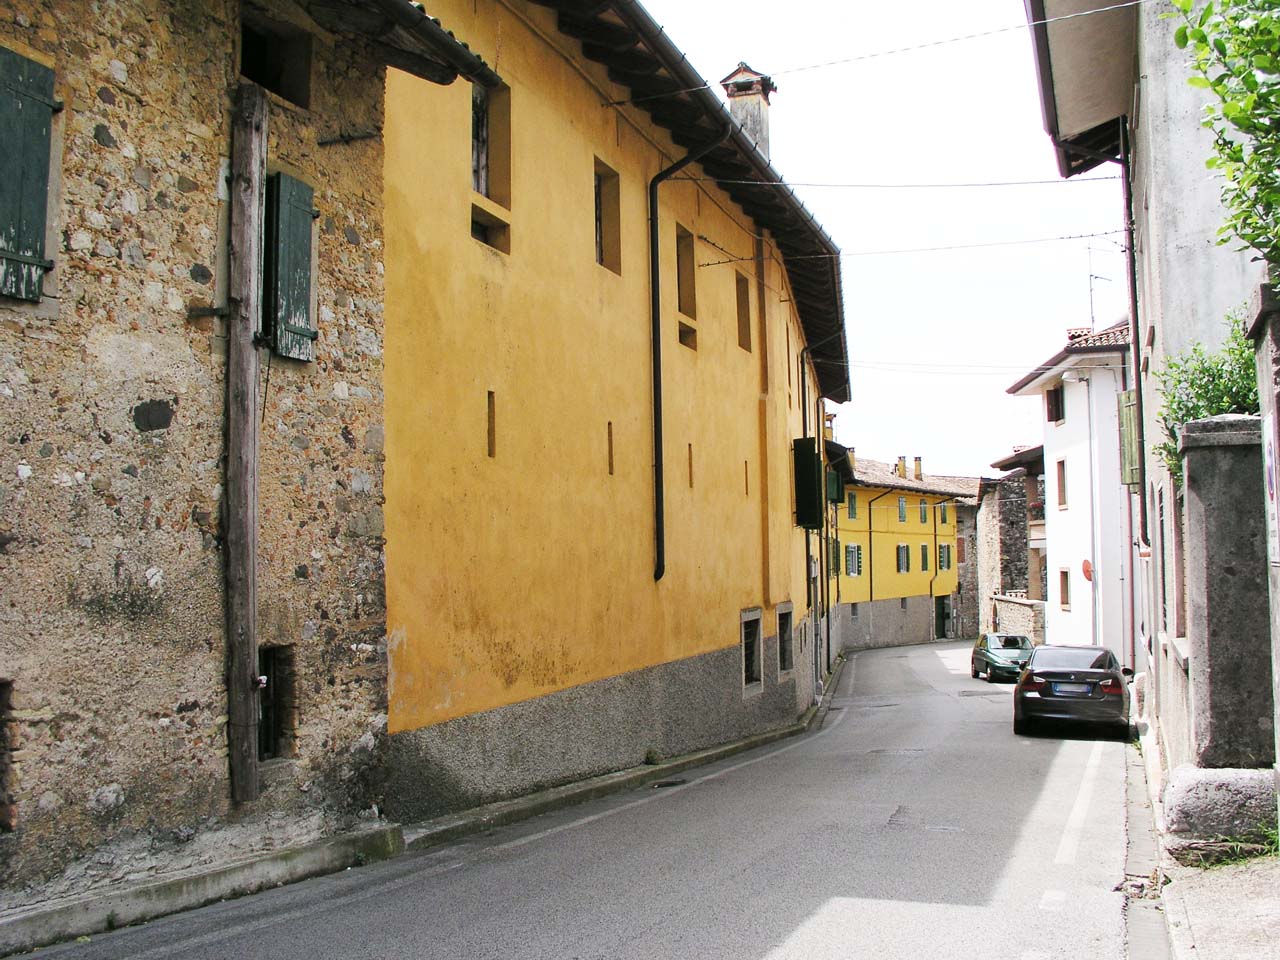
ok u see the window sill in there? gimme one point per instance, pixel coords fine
(752, 690)
(499, 211)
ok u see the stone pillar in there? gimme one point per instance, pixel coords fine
(1228, 617)
(1265, 334)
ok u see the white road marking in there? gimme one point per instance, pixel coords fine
(1052, 900)
(1070, 843)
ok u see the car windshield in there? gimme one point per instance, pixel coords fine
(1071, 658)
(1008, 645)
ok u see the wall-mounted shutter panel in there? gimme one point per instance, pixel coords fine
(834, 557)
(26, 119)
(287, 298)
(835, 487)
(1130, 454)
(809, 480)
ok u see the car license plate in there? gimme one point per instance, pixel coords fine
(1071, 688)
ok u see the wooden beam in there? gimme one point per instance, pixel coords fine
(248, 180)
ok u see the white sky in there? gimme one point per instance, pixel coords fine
(934, 338)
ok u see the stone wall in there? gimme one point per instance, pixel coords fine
(1013, 533)
(1018, 615)
(111, 442)
(883, 623)
(965, 606)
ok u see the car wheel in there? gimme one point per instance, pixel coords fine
(1021, 725)
(991, 674)
(973, 669)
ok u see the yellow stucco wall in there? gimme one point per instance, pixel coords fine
(879, 531)
(516, 575)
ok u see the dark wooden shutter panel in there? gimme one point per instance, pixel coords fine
(26, 119)
(809, 483)
(287, 298)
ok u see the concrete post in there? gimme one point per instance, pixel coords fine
(1232, 713)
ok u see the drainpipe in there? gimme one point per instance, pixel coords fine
(871, 548)
(655, 333)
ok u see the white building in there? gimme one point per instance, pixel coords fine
(1088, 509)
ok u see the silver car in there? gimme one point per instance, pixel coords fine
(1083, 684)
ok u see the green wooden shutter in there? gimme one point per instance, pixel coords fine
(1130, 454)
(26, 119)
(286, 301)
(835, 487)
(809, 481)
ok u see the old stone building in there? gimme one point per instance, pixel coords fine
(116, 300)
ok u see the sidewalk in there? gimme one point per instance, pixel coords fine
(26, 928)
(1225, 912)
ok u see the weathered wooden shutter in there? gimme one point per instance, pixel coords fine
(809, 492)
(834, 557)
(286, 301)
(26, 119)
(1130, 453)
(835, 487)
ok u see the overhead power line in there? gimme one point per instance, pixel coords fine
(897, 186)
(842, 61)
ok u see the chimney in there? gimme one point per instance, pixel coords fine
(748, 92)
(853, 460)
(902, 468)
(919, 470)
(828, 428)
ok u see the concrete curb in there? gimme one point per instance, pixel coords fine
(31, 927)
(28, 928)
(445, 829)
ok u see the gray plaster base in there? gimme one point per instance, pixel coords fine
(884, 623)
(667, 710)
(1203, 807)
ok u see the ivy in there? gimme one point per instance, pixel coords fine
(1235, 51)
(1197, 384)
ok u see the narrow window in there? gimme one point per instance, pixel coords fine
(853, 560)
(691, 466)
(492, 422)
(853, 611)
(746, 479)
(744, 312)
(687, 336)
(902, 604)
(786, 644)
(833, 557)
(751, 649)
(944, 556)
(277, 56)
(480, 139)
(1062, 484)
(276, 702)
(608, 221)
(904, 558)
(853, 506)
(8, 810)
(287, 321)
(902, 509)
(924, 511)
(491, 142)
(924, 556)
(686, 292)
(611, 448)
(1064, 588)
(490, 230)
(26, 116)
(1054, 408)
(942, 513)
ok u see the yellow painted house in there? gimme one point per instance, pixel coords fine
(604, 519)
(896, 544)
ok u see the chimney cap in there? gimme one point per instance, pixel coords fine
(745, 81)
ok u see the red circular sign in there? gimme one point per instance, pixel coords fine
(1087, 567)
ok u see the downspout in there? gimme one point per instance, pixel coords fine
(871, 548)
(655, 334)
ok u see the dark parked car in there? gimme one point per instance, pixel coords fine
(1084, 684)
(999, 656)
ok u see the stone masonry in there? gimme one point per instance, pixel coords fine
(112, 452)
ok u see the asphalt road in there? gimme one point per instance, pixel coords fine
(913, 825)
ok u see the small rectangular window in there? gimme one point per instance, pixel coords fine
(902, 509)
(942, 513)
(904, 558)
(489, 229)
(924, 556)
(853, 611)
(277, 56)
(491, 424)
(687, 335)
(491, 142)
(276, 702)
(902, 604)
(853, 560)
(26, 116)
(944, 556)
(786, 643)
(608, 224)
(833, 556)
(1064, 588)
(8, 809)
(1062, 484)
(1054, 408)
(751, 649)
(744, 312)
(686, 292)
(853, 506)
(924, 511)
